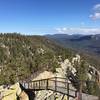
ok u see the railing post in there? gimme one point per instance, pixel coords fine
(32, 85)
(36, 85)
(80, 91)
(24, 84)
(55, 88)
(47, 85)
(76, 94)
(28, 85)
(68, 91)
(55, 84)
(39, 84)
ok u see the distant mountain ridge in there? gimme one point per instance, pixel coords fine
(87, 43)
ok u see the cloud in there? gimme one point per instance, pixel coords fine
(97, 7)
(96, 12)
(85, 31)
(95, 16)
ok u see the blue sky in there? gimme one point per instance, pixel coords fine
(49, 16)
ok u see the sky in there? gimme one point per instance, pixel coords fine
(34, 17)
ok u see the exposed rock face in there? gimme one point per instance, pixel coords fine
(23, 96)
(40, 51)
(76, 59)
(13, 93)
(94, 72)
(91, 73)
(49, 95)
(66, 65)
(44, 75)
(62, 72)
(42, 95)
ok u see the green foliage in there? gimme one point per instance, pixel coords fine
(92, 88)
(20, 58)
(87, 86)
(82, 70)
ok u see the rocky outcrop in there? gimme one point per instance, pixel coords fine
(23, 96)
(62, 72)
(44, 75)
(13, 92)
(17, 91)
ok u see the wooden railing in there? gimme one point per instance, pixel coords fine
(56, 84)
(60, 85)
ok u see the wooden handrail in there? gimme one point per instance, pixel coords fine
(59, 85)
(42, 79)
(45, 84)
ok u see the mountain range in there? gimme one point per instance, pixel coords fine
(87, 44)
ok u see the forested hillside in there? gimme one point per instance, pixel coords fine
(21, 56)
(87, 43)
